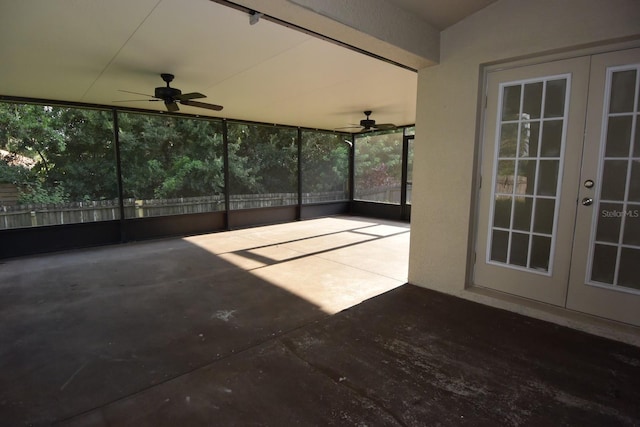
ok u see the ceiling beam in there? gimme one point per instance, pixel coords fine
(374, 26)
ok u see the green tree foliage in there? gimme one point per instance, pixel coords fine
(262, 159)
(378, 160)
(170, 157)
(84, 163)
(31, 131)
(325, 162)
(73, 158)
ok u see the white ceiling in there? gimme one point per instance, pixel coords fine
(88, 50)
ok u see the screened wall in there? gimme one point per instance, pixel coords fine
(59, 165)
(324, 167)
(138, 174)
(263, 166)
(378, 167)
(170, 165)
(384, 166)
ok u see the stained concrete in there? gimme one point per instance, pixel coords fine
(81, 329)
(266, 327)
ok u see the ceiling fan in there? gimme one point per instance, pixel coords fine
(369, 125)
(172, 96)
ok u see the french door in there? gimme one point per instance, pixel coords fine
(559, 205)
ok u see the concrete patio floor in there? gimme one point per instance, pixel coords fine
(267, 326)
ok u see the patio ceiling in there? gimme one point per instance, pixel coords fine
(88, 51)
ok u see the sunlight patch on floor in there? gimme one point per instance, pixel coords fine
(334, 263)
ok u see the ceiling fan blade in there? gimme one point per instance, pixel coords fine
(385, 126)
(190, 95)
(137, 100)
(136, 93)
(352, 126)
(198, 104)
(172, 106)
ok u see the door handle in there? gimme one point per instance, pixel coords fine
(587, 201)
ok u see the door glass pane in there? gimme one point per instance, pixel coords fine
(618, 136)
(634, 182)
(505, 177)
(526, 188)
(548, 177)
(529, 139)
(552, 138)
(508, 140)
(638, 97)
(540, 251)
(614, 178)
(511, 102)
(631, 234)
(502, 212)
(629, 275)
(616, 243)
(636, 144)
(609, 221)
(499, 245)
(622, 93)
(532, 103)
(522, 213)
(519, 249)
(555, 98)
(545, 209)
(604, 263)
(526, 176)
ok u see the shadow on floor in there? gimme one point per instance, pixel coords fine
(86, 328)
(222, 330)
(410, 357)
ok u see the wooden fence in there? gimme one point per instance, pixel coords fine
(380, 194)
(57, 213)
(8, 194)
(32, 215)
(163, 207)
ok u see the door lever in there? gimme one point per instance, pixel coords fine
(587, 201)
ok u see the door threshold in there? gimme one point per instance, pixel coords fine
(594, 325)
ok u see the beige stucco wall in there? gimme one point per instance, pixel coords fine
(447, 114)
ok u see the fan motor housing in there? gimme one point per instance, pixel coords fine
(367, 123)
(167, 92)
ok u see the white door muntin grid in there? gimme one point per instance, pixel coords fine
(524, 207)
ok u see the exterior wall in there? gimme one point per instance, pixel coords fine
(448, 115)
